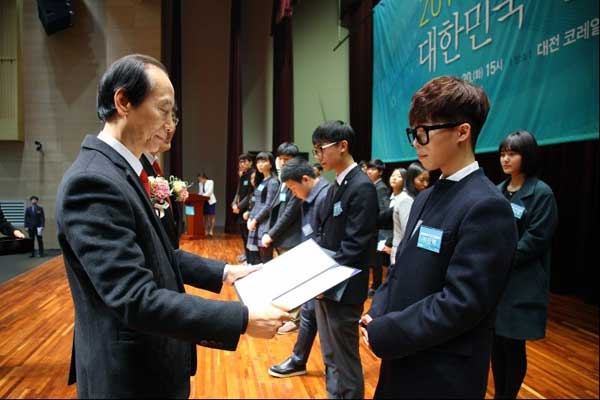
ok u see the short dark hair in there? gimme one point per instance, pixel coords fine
(129, 73)
(34, 197)
(318, 166)
(414, 169)
(377, 163)
(288, 149)
(202, 175)
(524, 143)
(450, 99)
(295, 169)
(334, 131)
(245, 156)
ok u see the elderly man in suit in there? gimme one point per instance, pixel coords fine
(135, 327)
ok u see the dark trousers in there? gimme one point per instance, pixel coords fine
(306, 333)
(338, 332)
(40, 241)
(266, 254)
(381, 260)
(509, 365)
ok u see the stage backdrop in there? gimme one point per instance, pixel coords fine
(537, 61)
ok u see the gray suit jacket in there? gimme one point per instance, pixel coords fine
(135, 328)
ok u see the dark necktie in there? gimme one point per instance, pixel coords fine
(145, 181)
(336, 187)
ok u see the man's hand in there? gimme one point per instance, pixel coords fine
(364, 321)
(235, 209)
(387, 250)
(235, 272)
(18, 234)
(266, 240)
(251, 224)
(263, 323)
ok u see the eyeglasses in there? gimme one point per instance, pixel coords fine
(420, 133)
(319, 149)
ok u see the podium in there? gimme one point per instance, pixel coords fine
(194, 217)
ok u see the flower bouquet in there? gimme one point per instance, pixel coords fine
(178, 189)
(159, 193)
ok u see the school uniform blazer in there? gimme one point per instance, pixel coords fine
(522, 311)
(34, 218)
(350, 230)
(285, 220)
(433, 316)
(243, 195)
(168, 220)
(135, 328)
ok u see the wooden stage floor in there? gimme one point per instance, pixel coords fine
(36, 326)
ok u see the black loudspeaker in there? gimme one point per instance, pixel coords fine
(55, 15)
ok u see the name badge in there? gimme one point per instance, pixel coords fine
(430, 239)
(337, 208)
(307, 230)
(282, 196)
(245, 183)
(260, 187)
(517, 210)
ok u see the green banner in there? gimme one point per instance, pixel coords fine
(537, 60)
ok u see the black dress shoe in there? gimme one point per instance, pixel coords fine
(287, 368)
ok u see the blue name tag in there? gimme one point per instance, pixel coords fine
(260, 187)
(430, 239)
(517, 210)
(337, 208)
(245, 183)
(282, 196)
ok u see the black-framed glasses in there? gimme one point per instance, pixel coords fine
(319, 149)
(420, 133)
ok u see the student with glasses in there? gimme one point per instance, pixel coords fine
(350, 230)
(431, 321)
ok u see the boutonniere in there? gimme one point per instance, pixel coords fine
(159, 192)
(178, 189)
